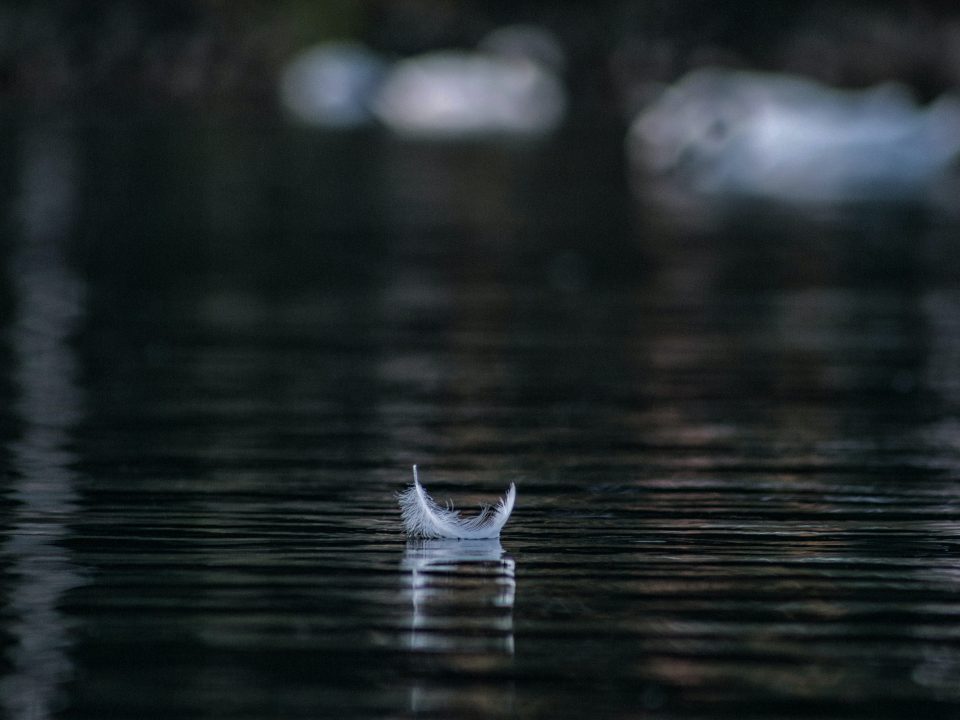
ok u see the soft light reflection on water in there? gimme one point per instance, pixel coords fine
(462, 596)
(48, 404)
(453, 587)
(735, 446)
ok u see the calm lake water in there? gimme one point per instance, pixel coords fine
(735, 439)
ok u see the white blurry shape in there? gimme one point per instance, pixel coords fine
(505, 89)
(531, 42)
(723, 132)
(332, 84)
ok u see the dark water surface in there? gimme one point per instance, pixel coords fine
(736, 443)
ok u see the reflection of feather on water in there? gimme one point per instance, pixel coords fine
(462, 594)
(461, 621)
(423, 517)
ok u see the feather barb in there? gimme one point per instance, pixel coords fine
(423, 517)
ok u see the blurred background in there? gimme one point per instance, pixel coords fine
(271, 124)
(218, 56)
(685, 270)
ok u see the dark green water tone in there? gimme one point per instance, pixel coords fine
(736, 439)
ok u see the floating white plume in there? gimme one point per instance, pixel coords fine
(423, 517)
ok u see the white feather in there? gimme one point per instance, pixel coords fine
(423, 517)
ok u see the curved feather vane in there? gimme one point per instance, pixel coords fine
(423, 517)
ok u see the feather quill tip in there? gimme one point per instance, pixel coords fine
(424, 518)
